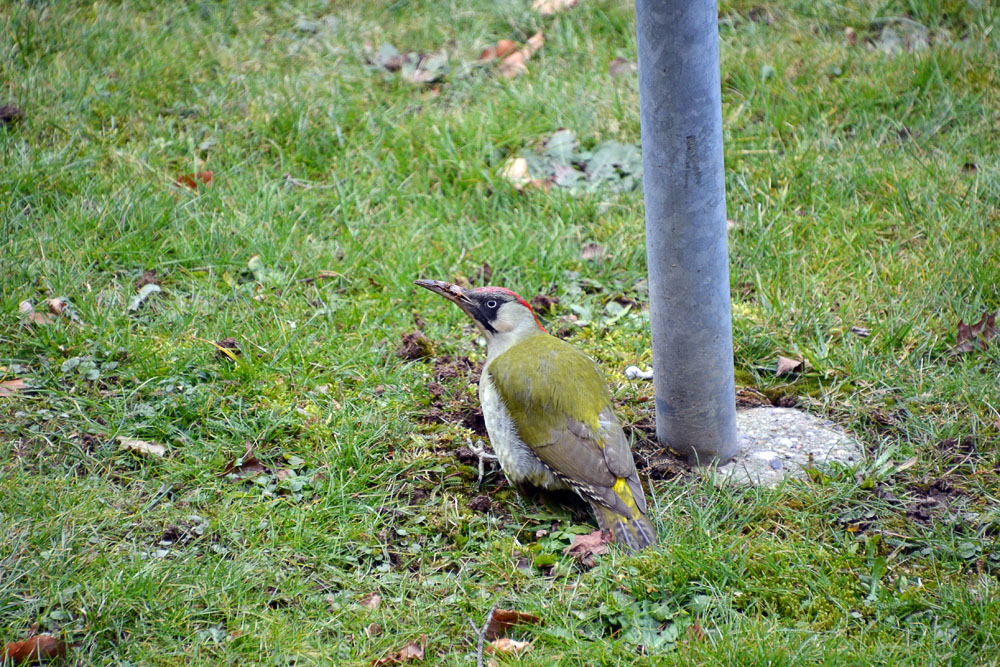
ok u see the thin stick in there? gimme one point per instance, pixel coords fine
(482, 634)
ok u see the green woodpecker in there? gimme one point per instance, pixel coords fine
(548, 413)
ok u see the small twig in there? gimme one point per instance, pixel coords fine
(481, 639)
(320, 276)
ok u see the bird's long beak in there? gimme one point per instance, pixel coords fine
(450, 291)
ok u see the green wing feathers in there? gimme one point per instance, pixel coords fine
(566, 418)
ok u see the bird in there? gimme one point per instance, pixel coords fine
(549, 415)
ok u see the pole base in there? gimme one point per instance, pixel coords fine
(781, 443)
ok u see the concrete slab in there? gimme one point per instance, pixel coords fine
(778, 443)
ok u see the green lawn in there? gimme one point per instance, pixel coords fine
(864, 190)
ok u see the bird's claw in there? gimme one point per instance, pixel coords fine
(479, 449)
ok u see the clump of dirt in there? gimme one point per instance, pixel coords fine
(454, 406)
(414, 346)
(651, 459)
(480, 503)
(544, 303)
(935, 499)
(952, 449)
(230, 344)
(448, 367)
(484, 274)
(181, 533)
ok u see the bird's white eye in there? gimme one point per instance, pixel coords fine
(491, 304)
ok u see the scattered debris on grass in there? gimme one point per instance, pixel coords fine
(972, 337)
(147, 278)
(620, 66)
(11, 387)
(412, 652)
(244, 467)
(192, 181)
(39, 648)
(850, 36)
(30, 316)
(414, 346)
(515, 64)
(371, 601)
(562, 162)
(509, 646)
(787, 365)
(544, 303)
(594, 251)
(503, 620)
(503, 47)
(10, 114)
(227, 348)
(586, 547)
(480, 503)
(900, 35)
(142, 447)
(144, 293)
(635, 373)
(550, 7)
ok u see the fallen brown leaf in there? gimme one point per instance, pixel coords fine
(142, 447)
(550, 7)
(371, 601)
(504, 619)
(11, 387)
(411, 652)
(515, 64)
(56, 305)
(192, 180)
(593, 251)
(244, 467)
(147, 278)
(620, 66)
(787, 365)
(30, 316)
(510, 646)
(585, 547)
(976, 336)
(502, 48)
(35, 649)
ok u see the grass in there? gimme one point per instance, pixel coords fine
(855, 205)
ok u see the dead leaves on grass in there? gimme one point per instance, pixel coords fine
(244, 467)
(426, 68)
(142, 447)
(515, 64)
(412, 652)
(11, 387)
(192, 181)
(39, 648)
(978, 336)
(504, 619)
(586, 547)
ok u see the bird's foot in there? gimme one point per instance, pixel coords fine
(479, 449)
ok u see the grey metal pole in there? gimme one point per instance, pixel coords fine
(680, 107)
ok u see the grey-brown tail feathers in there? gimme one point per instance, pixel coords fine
(635, 534)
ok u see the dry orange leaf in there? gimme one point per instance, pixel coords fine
(35, 649)
(411, 652)
(504, 619)
(502, 48)
(515, 64)
(192, 180)
(11, 387)
(507, 645)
